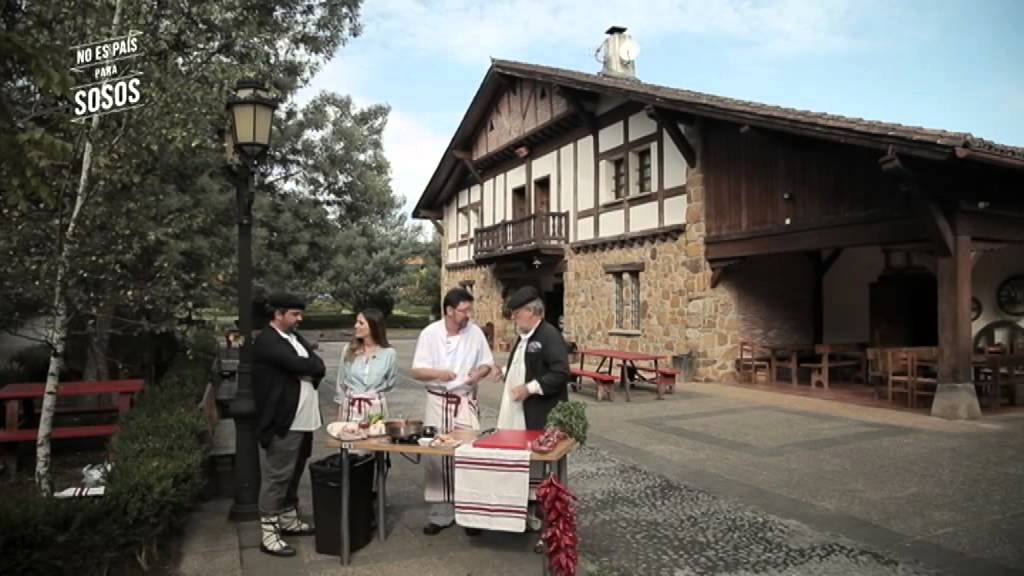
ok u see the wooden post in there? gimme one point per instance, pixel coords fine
(955, 396)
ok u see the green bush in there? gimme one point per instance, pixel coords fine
(157, 474)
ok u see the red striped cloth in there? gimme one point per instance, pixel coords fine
(492, 486)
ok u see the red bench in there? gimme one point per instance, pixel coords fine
(12, 396)
(605, 382)
(666, 377)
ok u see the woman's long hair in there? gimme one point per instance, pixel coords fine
(378, 331)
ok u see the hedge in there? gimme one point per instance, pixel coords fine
(158, 458)
(345, 321)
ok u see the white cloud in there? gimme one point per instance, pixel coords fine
(413, 151)
(469, 30)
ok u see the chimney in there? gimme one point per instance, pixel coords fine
(619, 54)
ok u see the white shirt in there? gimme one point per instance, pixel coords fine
(461, 353)
(307, 413)
(519, 358)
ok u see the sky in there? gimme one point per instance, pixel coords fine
(954, 65)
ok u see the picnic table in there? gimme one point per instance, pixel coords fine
(383, 446)
(626, 360)
(13, 395)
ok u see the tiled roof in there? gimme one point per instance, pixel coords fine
(809, 119)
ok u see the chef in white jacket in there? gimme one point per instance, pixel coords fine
(452, 356)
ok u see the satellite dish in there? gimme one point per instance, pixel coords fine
(628, 50)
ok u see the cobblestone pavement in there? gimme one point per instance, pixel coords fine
(636, 522)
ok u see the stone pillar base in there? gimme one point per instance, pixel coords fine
(956, 402)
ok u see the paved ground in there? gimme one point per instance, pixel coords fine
(714, 480)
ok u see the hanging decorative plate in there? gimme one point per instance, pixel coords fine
(975, 309)
(1010, 296)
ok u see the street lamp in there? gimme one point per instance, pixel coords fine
(252, 112)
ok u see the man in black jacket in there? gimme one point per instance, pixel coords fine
(545, 356)
(285, 375)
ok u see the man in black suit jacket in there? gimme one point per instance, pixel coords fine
(546, 358)
(285, 376)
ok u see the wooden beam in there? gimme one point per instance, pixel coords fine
(996, 226)
(954, 286)
(668, 121)
(576, 105)
(850, 234)
(935, 220)
(830, 260)
(467, 161)
(625, 267)
(718, 268)
(716, 277)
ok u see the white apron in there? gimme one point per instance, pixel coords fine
(447, 412)
(510, 414)
(356, 407)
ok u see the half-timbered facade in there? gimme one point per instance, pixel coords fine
(662, 220)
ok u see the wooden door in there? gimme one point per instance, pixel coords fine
(519, 205)
(542, 196)
(904, 310)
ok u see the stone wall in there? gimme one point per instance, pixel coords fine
(680, 312)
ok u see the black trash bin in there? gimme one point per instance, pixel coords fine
(326, 477)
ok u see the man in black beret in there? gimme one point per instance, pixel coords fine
(285, 374)
(537, 374)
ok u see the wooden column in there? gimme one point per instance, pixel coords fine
(954, 284)
(818, 297)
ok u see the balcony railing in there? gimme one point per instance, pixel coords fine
(536, 229)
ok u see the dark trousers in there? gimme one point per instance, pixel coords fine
(281, 465)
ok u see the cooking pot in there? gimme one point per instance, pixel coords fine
(403, 429)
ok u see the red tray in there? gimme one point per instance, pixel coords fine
(509, 439)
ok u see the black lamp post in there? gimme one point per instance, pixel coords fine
(252, 112)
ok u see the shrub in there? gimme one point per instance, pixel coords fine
(157, 474)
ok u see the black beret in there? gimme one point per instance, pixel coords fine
(521, 297)
(285, 301)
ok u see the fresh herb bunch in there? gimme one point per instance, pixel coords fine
(571, 417)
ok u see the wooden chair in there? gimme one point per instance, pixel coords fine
(905, 376)
(878, 369)
(750, 365)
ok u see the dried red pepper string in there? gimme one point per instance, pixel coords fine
(560, 536)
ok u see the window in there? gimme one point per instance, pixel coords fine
(628, 307)
(464, 223)
(643, 167)
(618, 179)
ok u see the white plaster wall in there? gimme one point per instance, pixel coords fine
(989, 272)
(585, 173)
(585, 229)
(675, 165)
(515, 178)
(453, 256)
(643, 217)
(609, 137)
(488, 203)
(474, 193)
(846, 294)
(613, 223)
(499, 198)
(675, 210)
(640, 125)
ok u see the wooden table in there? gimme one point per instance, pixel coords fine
(382, 446)
(12, 395)
(790, 359)
(820, 370)
(626, 358)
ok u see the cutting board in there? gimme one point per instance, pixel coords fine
(509, 439)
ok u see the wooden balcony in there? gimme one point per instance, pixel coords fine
(542, 231)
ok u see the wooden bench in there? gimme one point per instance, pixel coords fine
(666, 378)
(605, 382)
(13, 395)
